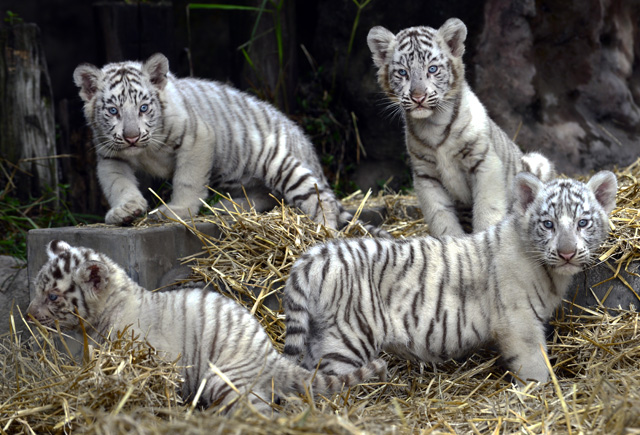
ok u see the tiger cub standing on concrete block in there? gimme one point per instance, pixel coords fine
(197, 132)
(460, 158)
(432, 299)
(202, 326)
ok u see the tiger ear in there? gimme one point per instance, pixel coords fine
(56, 247)
(92, 276)
(454, 33)
(525, 190)
(604, 186)
(157, 68)
(87, 77)
(381, 42)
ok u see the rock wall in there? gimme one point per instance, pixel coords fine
(564, 76)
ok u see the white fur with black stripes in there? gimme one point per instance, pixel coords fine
(197, 133)
(459, 157)
(198, 325)
(431, 299)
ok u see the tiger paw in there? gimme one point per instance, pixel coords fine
(125, 213)
(166, 212)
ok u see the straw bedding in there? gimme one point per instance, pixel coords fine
(123, 387)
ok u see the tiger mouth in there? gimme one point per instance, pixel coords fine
(568, 267)
(43, 322)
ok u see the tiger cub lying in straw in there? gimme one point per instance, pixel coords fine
(432, 299)
(202, 326)
(460, 158)
(197, 131)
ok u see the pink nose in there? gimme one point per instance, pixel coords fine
(419, 99)
(567, 255)
(132, 140)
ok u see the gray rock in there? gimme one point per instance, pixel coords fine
(14, 291)
(596, 287)
(564, 78)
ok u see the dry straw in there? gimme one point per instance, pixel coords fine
(124, 387)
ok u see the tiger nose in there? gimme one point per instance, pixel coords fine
(567, 255)
(132, 140)
(419, 98)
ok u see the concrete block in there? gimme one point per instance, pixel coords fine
(149, 255)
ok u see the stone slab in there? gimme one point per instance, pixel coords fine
(150, 255)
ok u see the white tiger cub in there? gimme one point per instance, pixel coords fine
(459, 156)
(195, 132)
(202, 326)
(431, 299)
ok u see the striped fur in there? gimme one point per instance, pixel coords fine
(459, 156)
(202, 326)
(431, 299)
(197, 132)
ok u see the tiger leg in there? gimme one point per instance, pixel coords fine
(191, 176)
(120, 187)
(437, 207)
(228, 396)
(489, 194)
(523, 347)
(306, 190)
(336, 353)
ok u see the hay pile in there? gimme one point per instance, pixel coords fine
(124, 387)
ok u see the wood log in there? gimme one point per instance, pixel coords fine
(27, 128)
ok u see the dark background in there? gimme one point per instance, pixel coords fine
(563, 77)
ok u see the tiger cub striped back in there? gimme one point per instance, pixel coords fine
(200, 325)
(197, 132)
(431, 299)
(459, 156)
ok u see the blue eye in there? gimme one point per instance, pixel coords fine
(144, 108)
(583, 223)
(402, 72)
(53, 297)
(113, 110)
(548, 224)
(432, 69)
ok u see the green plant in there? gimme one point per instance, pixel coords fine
(276, 12)
(12, 18)
(18, 216)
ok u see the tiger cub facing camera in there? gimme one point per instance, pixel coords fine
(202, 326)
(460, 158)
(197, 132)
(432, 299)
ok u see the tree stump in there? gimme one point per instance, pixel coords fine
(27, 128)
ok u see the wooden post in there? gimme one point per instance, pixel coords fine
(27, 128)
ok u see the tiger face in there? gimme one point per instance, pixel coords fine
(121, 103)
(420, 68)
(69, 287)
(566, 221)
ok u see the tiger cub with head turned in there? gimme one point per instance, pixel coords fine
(460, 158)
(197, 132)
(78, 284)
(432, 299)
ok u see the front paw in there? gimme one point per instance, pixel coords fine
(125, 213)
(169, 211)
